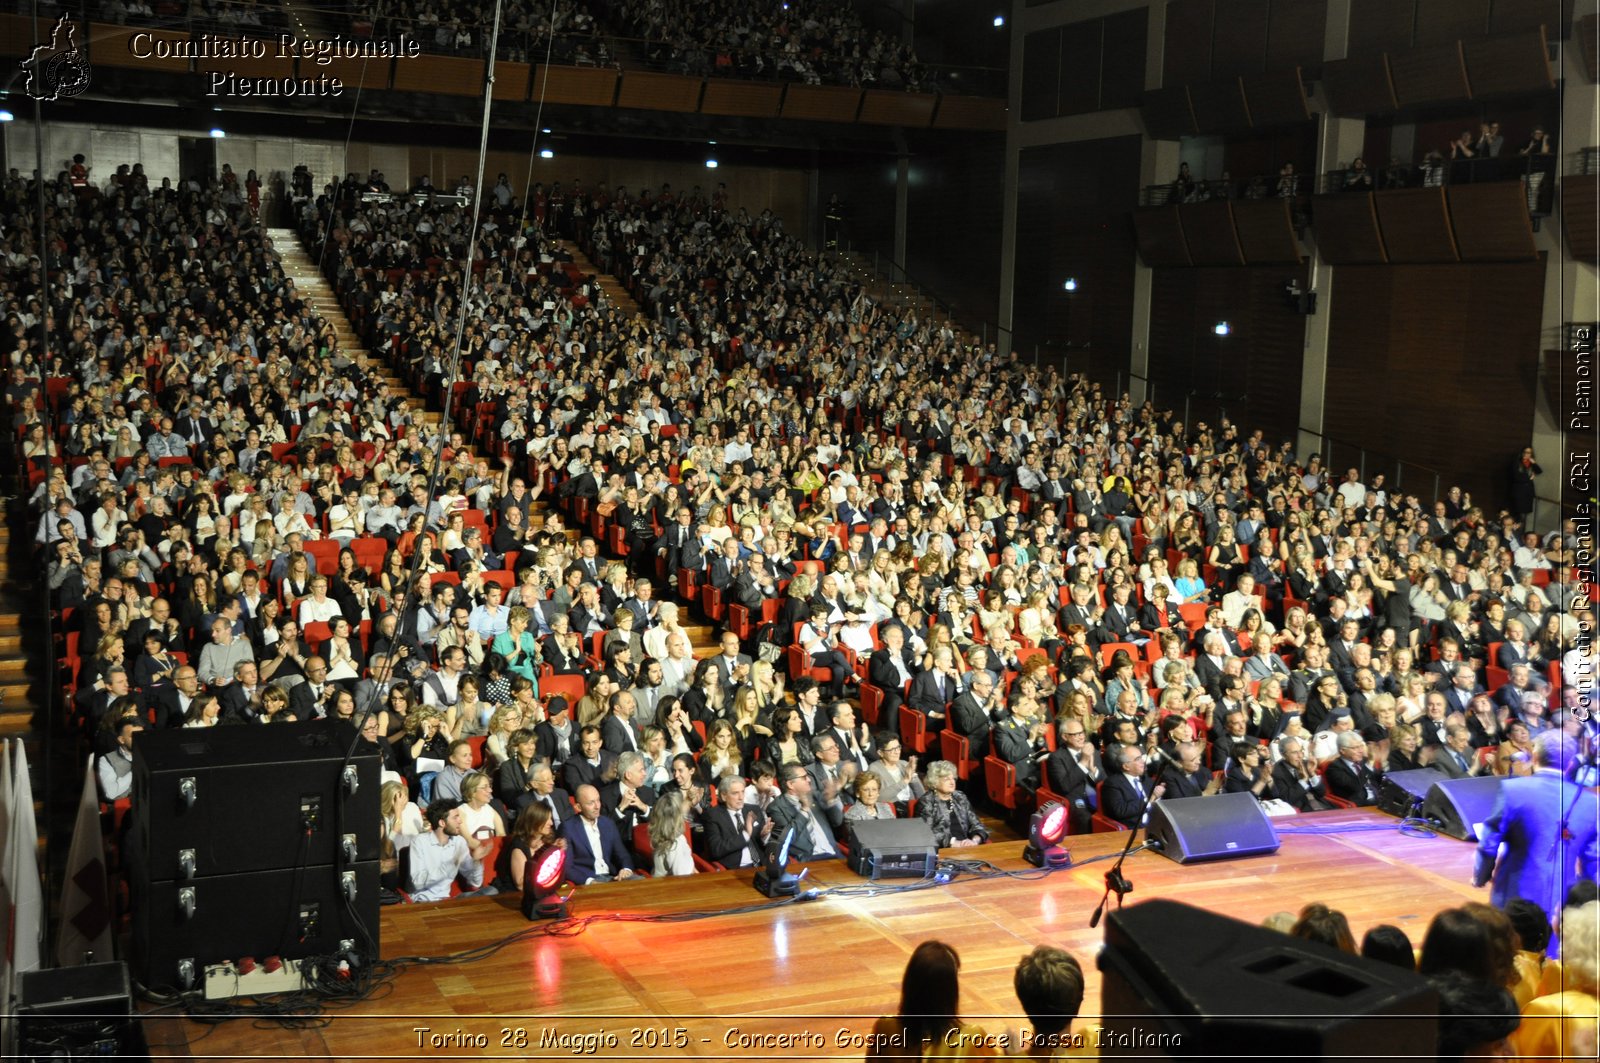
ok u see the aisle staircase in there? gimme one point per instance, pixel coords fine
(615, 291)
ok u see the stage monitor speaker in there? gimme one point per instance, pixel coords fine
(893, 848)
(76, 1012)
(181, 927)
(1403, 792)
(226, 800)
(1457, 806)
(1211, 828)
(1181, 981)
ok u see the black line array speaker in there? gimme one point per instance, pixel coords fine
(1403, 792)
(1180, 981)
(1191, 829)
(1456, 806)
(250, 840)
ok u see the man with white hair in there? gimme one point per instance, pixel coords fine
(1548, 825)
(1348, 776)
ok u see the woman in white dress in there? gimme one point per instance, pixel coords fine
(478, 817)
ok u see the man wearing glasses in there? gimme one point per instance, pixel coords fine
(1129, 792)
(1074, 771)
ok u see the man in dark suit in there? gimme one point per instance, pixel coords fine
(1127, 789)
(735, 834)
(1463, 688)
(754, 585)
(1121, 618)
(313, 699)
(542, 790)
(595, 852)
(1456, 758)
(1548, 825)
(933, 690)
(592, 765)
(890, 669)
(827, 771)
(241, 699)
(1018, 739)
(855, 739)
(1208, 666)
(724, 567)
(626, 800)
(1186, 777)
(673, 540)
(971, 715)
(732, 666)
(1348, 776)
(1074, 771)
(811, 821)
(619, 733)
(172, 701)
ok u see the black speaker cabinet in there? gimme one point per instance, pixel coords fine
(1211, 828)
(239, 798)
(893, 848)
(1403, 792)
(1181, 981)
(1456, 806)
(290, 913)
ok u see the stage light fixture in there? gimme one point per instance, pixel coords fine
(1045, 831)
(774, 880)
(1221, 328)
(217, 134)
(542, 896)
(546, 153)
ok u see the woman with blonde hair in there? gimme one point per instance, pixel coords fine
(479, 819)
(669, 817)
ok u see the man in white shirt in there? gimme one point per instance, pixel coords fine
(444, 853)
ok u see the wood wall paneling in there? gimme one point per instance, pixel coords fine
(741, 99)
(1168, 113)
(1580, 216)
(1443, 21)
(1122, 61)
(1253, 373)
(1266, 231)
(1277, 97)
(1416, 225)
(1041, 74)
(1078, 91)
(17, 35)
(1347, 229)
(1208, 230)
(1490, 221)
(1239, 39)
(1381, 26)
(883, 107)
(1436, 363)
(113, 46)
(1360, 86)
(270, 66)
(444, 74)
(1220, 107)
(1429, 75)
(822, 103)
(1295, 32)
(1510, 64)
(966, 112)
(1160, 236)
(511, 81)
(649, 91)
(1589, 37)
(590, 86)
(366, 73)
(1187, 58)
(1511, 16)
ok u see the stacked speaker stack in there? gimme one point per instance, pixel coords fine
(250, 841)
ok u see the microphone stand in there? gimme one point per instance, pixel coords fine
(1115, 881)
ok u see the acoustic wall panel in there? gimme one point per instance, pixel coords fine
(1504, 66)
(1416, 225)
(883, 107)
(444, 74)
(741, 99)
(1429, 75)
(1347, 229)
(649, 91)
(1360, 86)
(1208, 231)
(1266, 231)
(1490, 221)
(586, 85)
(1160, 236)
(1277, 97)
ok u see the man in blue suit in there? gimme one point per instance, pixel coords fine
(1541, 859)
(595, 852)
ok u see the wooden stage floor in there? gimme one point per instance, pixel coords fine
(822, 970)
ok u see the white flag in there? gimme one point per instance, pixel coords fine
(22, 860)
(85, 903)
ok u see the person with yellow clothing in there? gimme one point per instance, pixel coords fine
(1566, 1024)
(1049, 985)
(929, 1025)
